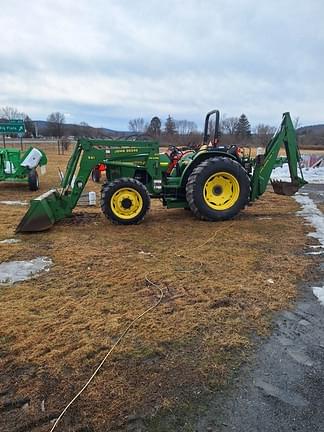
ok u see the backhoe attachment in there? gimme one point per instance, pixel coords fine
(264, 164)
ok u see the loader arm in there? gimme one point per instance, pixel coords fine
(286, 136)
(58, 204)
(84, 158)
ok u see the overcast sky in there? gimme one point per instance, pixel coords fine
(106, 62)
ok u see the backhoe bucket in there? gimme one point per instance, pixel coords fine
(43, 212)
(284, 188)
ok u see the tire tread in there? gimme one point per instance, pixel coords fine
(114, 185)
(196, 173)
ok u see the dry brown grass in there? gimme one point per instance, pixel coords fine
(321, 207)
(56, 328)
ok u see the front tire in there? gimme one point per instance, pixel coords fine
(125, 201)
(33, 180)
(218, 189)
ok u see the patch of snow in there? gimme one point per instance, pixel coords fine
(10, 241)
(18, 271)
(14, 202)
(313, 215)
(311, 175)
(315, 253)
(319, 293)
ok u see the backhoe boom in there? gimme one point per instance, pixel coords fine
(286, 136)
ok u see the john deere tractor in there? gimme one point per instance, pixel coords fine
(215, 182)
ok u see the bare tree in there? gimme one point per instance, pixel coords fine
(154, 128)
(137, 125)
(185, 127)
(85, 129)
(263, 133)
(30, 127)
(55, 126)
(228, 125)
(265, 130)
(11, 113)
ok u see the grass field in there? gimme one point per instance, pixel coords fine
(221, 284)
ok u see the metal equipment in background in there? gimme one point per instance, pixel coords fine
(21, 166)
(215, 182)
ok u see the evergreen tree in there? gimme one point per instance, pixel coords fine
(243, 129)
(170, 126)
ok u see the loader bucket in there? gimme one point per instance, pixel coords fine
(284, 188)
(43, 212)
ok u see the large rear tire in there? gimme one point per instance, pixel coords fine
(33, 180)
(218, 189)
(125, 201)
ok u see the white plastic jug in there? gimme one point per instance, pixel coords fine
(92, 198)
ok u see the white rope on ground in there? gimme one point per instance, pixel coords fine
(177, 254)
(109, 352)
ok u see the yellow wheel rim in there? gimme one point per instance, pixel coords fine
(126, 203)
(221, 191)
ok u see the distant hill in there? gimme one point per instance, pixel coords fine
(311, 130)
(79, 130)
(311, 136)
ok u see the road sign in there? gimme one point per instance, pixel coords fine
(12, 127)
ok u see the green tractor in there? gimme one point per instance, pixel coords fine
(21, 166)
(215, 182)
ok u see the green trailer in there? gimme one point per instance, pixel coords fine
(21, 166)
(214, 182)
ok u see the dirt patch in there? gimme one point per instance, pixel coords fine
(217, 294)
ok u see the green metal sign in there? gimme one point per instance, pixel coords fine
(12, 127)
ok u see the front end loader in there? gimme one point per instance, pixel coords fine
(215, 182)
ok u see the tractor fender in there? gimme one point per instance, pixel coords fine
(201, 157)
